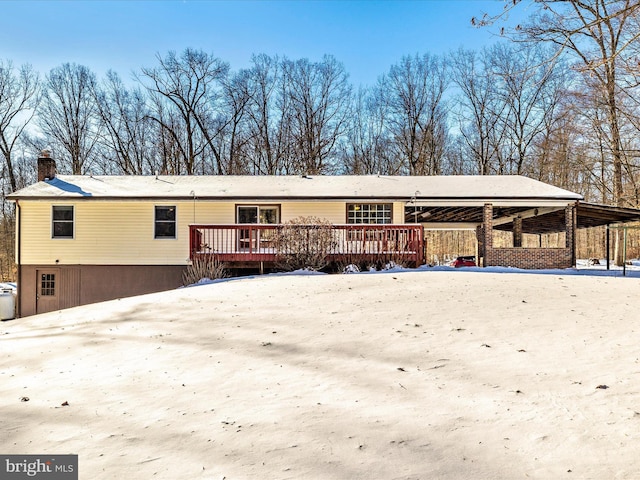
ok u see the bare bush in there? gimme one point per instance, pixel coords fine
(304, 242)
(203, 268)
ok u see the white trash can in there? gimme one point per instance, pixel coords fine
(7, 304)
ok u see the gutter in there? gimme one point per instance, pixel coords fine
(284, 197)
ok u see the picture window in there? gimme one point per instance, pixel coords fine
(375, 213)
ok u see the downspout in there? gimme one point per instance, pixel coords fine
(18, 260)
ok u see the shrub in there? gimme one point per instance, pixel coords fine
(203, 268)
(304, 242)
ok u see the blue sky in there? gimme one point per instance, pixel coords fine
(366, 36)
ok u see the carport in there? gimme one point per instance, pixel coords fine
(537, 218)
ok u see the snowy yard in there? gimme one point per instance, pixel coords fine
(398, 375)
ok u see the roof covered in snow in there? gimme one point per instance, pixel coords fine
(400, 188)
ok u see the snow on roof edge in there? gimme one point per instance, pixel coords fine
(294, 187)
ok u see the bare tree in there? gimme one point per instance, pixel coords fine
(169, 132)
(126, 133)
(185, 91)
(482, 109)
(233, 139)
(366, 150)
(19, 96)
(599, 34)
(67, 116)
(564, 154)
(456, 161)
(529, 88)
(269, 113)
(319, 96)
(413, 91)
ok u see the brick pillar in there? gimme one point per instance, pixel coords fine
(517, 231)
(487, 228)
(46, 166)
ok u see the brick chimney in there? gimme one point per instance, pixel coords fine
(46, 166)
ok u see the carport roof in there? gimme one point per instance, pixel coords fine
(595, 215)
(534, 219)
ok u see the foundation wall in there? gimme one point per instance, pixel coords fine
(83, 284)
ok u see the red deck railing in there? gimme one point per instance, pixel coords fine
(260, 243)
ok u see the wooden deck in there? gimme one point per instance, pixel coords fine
(252, 243)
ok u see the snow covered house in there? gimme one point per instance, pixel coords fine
(83, 239)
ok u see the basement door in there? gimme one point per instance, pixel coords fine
(47, 290)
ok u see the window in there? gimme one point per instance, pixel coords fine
(247, 214)
(257, 239)
(62, 224)
(374, 213)
(259, 214)
(165, 222)
(48, 285)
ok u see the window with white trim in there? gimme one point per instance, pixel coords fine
(370, 213)
(263, 214)
(165, 221)
(62, 221)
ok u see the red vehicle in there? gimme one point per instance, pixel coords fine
(466, 261)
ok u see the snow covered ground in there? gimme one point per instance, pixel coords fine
(436, 373)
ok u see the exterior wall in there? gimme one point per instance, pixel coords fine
(83, 284)
(114, 254)
(398, 213)
(105, 233)
(529, 258)
(334, 212)
(121, 233)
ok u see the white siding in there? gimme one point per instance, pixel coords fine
(398, 213)
(334, 212)
(122, 232)
(118, 233)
